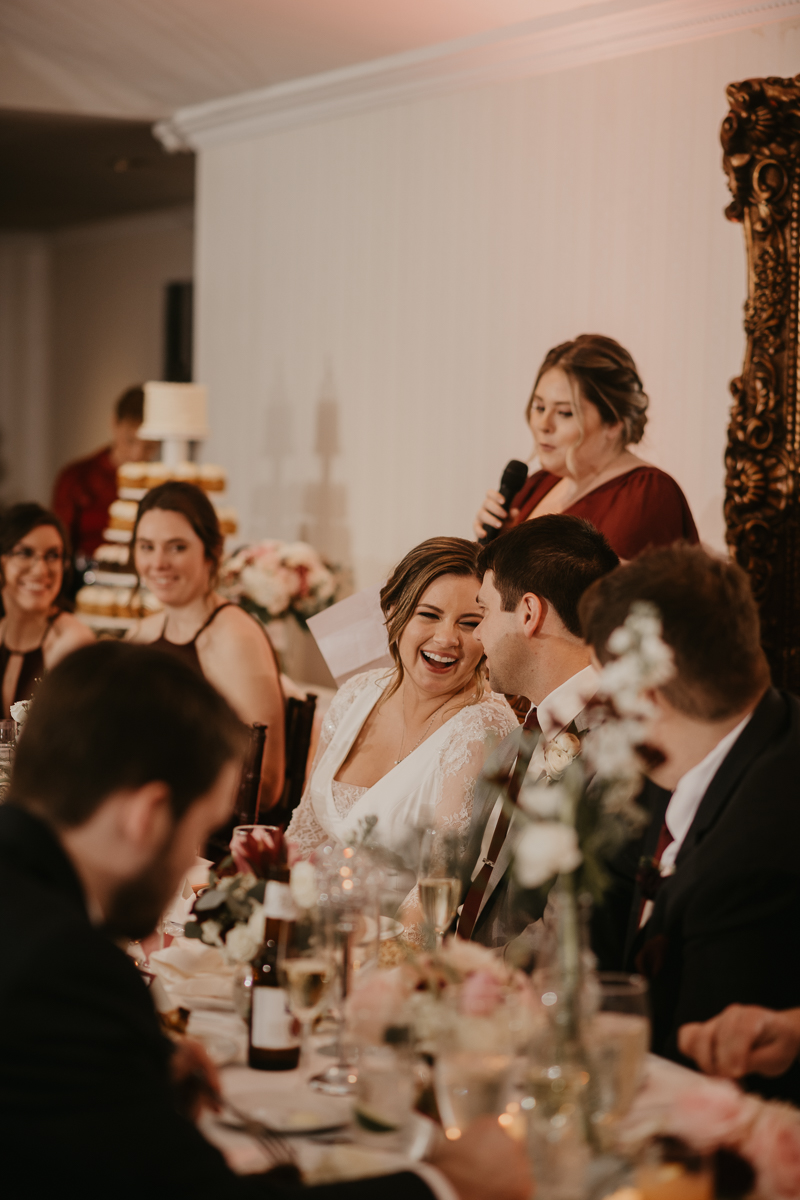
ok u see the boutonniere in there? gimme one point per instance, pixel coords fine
(559, 753)
(650, 876)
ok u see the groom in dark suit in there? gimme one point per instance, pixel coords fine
(127, 762)
(532, 579)
(714, 919)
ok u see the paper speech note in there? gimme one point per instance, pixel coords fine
(351, 635)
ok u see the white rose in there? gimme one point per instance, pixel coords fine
(19, 711)
(545, 849)
(560, 752)
(240, 945)
(268, 590)
(542, 800)
(303, 885)
(211, 931)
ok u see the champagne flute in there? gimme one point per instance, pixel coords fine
(305, 970)
(439, 896)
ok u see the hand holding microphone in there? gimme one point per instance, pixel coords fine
(495, 508)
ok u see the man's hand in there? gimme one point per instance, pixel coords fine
(194, 1078)
(485, 1163)
(743, 1040)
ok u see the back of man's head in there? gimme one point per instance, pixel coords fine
(555, 557)
(112, 717)
(709, 619)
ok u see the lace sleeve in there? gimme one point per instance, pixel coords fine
(304, 830)
(476, 731)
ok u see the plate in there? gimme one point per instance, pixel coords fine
(304, 1114)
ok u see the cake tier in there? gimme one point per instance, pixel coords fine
(174, 410)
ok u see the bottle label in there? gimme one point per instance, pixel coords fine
(278, 903)
(271, 1023)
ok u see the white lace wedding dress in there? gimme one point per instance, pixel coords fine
(431, 788)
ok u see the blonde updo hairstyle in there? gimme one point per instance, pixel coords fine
(408, 583)
(603, 373)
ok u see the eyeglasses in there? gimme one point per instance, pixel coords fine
(27, 556)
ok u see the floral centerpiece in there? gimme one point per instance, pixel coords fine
(712, 1115)
(230, 914)
(273, 579)
(462, 994)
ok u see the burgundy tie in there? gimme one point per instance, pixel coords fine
(649, 875)
(472, 901)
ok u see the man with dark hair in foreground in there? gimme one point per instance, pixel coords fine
(715, 921)
(532, 579)
(127, 762)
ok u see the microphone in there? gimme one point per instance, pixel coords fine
(514, 476)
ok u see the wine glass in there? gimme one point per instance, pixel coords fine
(306, 970)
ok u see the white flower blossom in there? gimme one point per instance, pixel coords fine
(543, 800)
(211, 931)
(240, 945)
(546, 848)
(19, 711)
(303, 885)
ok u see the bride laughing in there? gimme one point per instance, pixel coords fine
(406, 745)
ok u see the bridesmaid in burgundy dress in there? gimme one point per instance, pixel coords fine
(587, 408)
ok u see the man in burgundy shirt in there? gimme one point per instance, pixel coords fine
(84, 490)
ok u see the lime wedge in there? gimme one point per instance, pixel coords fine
(372, 1122)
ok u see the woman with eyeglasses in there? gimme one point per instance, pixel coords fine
(35, 631)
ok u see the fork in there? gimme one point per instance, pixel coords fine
(275, 1145)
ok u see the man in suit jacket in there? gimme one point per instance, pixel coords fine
(714, 919)
(532, 579)
(127, 762)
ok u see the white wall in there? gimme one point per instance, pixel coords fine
(25, 312)
(81, 318)
(108, 284)
(376, 291)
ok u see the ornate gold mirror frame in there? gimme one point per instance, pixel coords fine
(761, 143)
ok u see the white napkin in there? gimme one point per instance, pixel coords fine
(193, 972)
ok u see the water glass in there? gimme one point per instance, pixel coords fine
(8, 737)
(617, 1041)
(385, 1093)
(469, 1085)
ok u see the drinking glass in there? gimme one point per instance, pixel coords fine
(439, 896)
(8, 738)
(618, 1038)
(438, 882)
(468, 1085)
(385, 1092)
(350, 920)
(305, 970)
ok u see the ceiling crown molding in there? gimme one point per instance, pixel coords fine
(547, 44)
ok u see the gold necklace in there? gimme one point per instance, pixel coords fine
(424, 734)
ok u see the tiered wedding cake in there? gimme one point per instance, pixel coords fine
(175, 416)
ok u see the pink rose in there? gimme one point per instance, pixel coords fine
(481, 993)
(773, 1148)
(714, 1112)
(377, 1003)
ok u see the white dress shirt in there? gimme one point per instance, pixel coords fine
(685, 800)
(558, 710)
(561, 706)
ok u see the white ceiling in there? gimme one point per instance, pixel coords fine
(145, 58)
